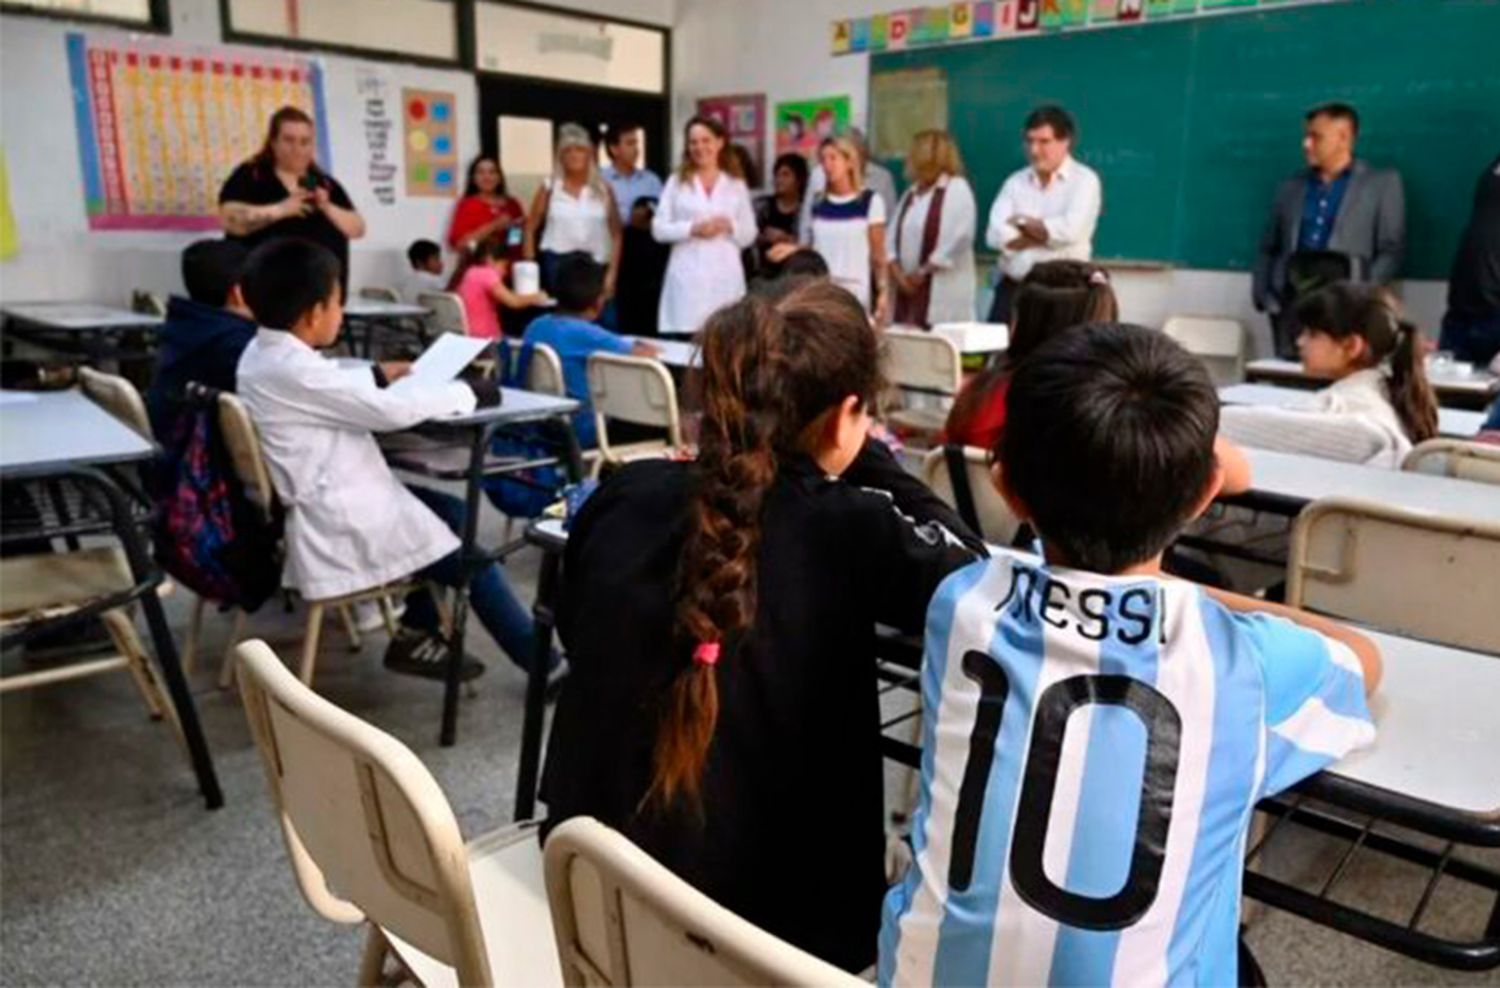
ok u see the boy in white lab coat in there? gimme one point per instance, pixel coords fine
(351, 524)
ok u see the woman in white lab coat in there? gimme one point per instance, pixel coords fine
(705, 214)
(931, 238)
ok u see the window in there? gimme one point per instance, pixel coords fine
(417, 30)
(150, 14)
(542, 44)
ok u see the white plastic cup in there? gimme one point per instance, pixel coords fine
(527, 276)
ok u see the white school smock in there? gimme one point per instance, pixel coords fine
(840, 232)
(577, 223)
(1068, 206)
(702, 274)
(350, 524)
(952, 296)
(1351, 420)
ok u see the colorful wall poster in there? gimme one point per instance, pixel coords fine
(10, 240)
(431, 141)
(802, 125)
(744, 117)
(902, 103)
(161, 124)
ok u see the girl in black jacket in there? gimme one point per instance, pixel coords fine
(719, 617)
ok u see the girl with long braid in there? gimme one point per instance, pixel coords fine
(719, 617)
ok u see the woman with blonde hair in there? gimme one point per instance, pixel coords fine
(575, 211)
(705, 214)
(931, 242)
(847, 226)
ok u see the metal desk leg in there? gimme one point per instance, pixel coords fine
(469, 548)
(543, 620)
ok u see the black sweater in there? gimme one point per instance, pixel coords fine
(792, 833)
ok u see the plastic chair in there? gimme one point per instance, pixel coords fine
(621, 918)
(544, 374)
(987, 511)
(117, 396)
(1417, 574)
(1455, 458)
(361, 814)
(1217, 341)
(445, 312)
(633, 389)
(379, 293)
(243, 442)
(926, 364)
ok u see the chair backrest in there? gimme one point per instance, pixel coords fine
(1415, 573)
(632, 389)
(445, 312)
(996, 521)
(921, 361)
(361, 814)
(118, 397)
(544, 374)
(379, 293)
(243, 442)
(148, 303)
(1217, 341)
(1456, 458)
(621, 918)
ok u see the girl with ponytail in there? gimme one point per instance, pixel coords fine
(1380, 402)
(719, 617)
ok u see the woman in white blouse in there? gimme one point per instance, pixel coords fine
(931, 239)
(705, 214)
(575, 211)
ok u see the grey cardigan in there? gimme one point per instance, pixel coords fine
(1370, 228)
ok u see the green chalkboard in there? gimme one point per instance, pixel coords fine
(1191, 123)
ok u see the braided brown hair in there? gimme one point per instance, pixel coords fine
(773, 371)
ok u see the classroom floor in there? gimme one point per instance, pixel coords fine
(113, 873)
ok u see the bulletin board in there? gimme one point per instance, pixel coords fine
(161, 124)
(431, 143)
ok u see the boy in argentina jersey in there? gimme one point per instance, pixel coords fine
(1095, 733)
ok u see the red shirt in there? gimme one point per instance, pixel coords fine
(985, 425)
(472, 212)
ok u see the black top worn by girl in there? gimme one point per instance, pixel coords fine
(256, 184)
(791, 834)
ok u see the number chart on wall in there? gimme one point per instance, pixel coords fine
(161, 125)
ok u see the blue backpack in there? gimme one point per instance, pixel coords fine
(526, 493)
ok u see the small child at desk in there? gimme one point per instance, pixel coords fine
(426, 274)
(572, 332)
(1106, 847)
(351, 525)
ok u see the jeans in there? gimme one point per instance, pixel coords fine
(1476, 339)
(490, 595)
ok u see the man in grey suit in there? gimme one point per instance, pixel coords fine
(1338, 219)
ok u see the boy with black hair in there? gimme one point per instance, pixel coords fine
(203, 335)
(1096, 734)
(571, 330)
(426, 274)
(351, 525)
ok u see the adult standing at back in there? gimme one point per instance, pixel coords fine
(848, 227)
(281, 192)
(705, 215)
(931, 238)
(1471, 329)
(1337, 220)
(627, 177)
(874, 176)
(1047, 211)
(574, 210)
(487, 210)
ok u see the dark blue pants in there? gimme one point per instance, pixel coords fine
(1475, 339)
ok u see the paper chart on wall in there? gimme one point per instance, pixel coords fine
(162, 124)
(373, 86)
(431, 140)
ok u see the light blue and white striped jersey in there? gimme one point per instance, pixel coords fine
(1092, 750)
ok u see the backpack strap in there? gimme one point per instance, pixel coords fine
(958, 477)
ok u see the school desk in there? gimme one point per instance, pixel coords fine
(1455, 423)
(548, 535)
(362, 316)
(678, 354)
(94, 332)
(1473, 390)
(1283, 483)
(61, 438)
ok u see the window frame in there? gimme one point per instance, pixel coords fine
(159, 18)
(461, 60)
(546, 8)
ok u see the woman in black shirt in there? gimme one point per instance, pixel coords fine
(281, 192)
(778, 214)
(720, 616)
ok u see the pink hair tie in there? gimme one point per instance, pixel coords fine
(706, 654)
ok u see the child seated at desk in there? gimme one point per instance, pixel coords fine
(426, 274)
(578, 286)
(480, 282)
(1380, 403)
(720, 616)
(1096, 734)
(351, 525)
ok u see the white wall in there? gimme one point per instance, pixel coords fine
(781, 48)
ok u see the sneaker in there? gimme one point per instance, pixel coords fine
(425, 654)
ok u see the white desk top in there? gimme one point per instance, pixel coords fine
(364, 308)
(79, 316)
(1476, 383)
(1453, 422)
(50, 431)
(1307, 478)
(675, 352)
(975, 337)
(515, 406)
(1436, 729)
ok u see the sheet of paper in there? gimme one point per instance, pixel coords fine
(442, 361)
(16, 398)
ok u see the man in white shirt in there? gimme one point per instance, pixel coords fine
(1044, 212)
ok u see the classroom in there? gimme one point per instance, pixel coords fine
(451, 449)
